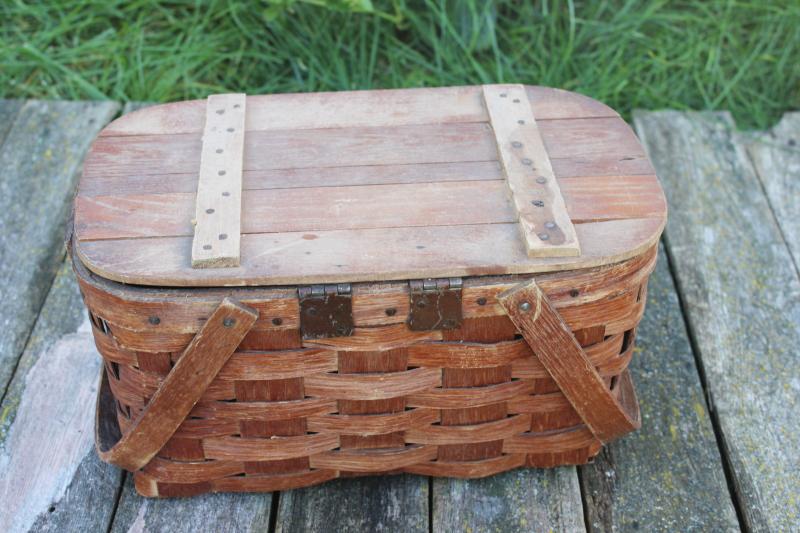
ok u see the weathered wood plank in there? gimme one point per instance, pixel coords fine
(393, 503)
(360, 108)
(218, 205)
(40, 159)
(667, 476)
(208, 512)
(338, 256)
(50, 476)
(776, 156)
(742, 298)
(593, 142)
(8, 113)
(520, 500)
(540, 211)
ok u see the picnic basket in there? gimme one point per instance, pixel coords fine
(287, 289)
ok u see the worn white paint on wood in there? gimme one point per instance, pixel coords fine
(520, 500)
(776, 156)
(546, 228)
(742, 298)
(50, 476)
(40, 158)
(218, 207)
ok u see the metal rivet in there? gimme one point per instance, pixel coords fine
(516, 100)
(574, 293)
(516, 144)
(219, 150)
(544, 236)
(520, 121)
(206, 247)
(538, 203)
(230, 130)
(277, 321)
(220, 111)
(221, 173)
(236, 106)
(541, 179)
(210, 211)
(503, 95)
(228, 322)
(550, 225)
(481, 301)
(525, 307)
(154, 320)
(226, 193)
(223, 236)
(527, 161)
(391, 311)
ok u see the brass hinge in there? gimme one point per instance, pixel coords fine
(435, 304)
(326, 311)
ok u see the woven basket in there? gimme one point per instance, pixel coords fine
(209, 388)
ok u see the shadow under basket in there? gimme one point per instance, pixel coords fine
(289, 289)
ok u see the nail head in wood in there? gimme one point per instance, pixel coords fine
(525, 307)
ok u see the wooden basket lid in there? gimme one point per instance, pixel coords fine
(367, 186)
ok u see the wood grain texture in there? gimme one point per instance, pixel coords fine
(567, 363)
(218, 204)
(667, 476)
(327, 176)
(521, 500)
(49, 406)
(544, 224)
(381, 504)
(776, 158)
(336, 256)
(358, 108)
(40, 158)
(208, 512)
(742, 297)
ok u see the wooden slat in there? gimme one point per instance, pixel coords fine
(521, 500)
(543, 220)
(576, 147)
(776, 157)
(337, 256)
(742, 297)
(50, 406)
(289, 210)
(218, 206)
(386, 503)
(357, 108)
(669, 474)
(207, 512)
(40, 158)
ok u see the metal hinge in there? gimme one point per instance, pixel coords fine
(326, 311)
(435, 304)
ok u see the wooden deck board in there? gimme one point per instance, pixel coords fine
(776, 157)
(50, 476)
(40, 157)
(520, 500)
(742, 298)
(668, 475)
(374, 504)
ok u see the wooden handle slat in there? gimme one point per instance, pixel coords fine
(547, 230)
(218, 206)
(202, 360)
(559, 352)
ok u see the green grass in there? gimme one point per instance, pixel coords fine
(735, 55)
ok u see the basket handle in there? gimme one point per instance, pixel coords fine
(552, 341)
(197, 367)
